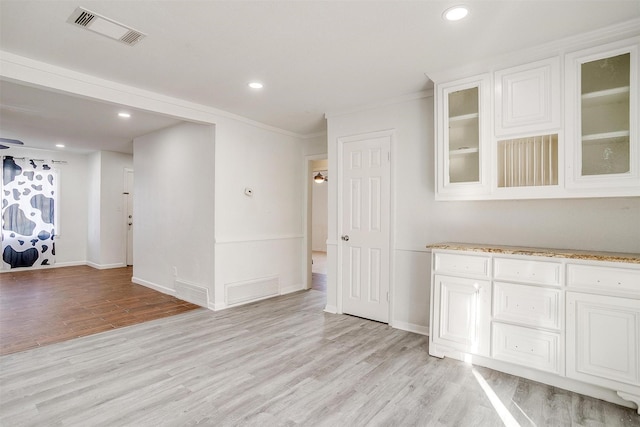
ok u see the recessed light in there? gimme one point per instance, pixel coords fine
(60, 145)
(255, 85)
(455, 13)
(124, 115)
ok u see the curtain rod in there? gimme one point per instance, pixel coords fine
(61, 162)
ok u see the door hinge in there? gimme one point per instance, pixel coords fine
(387, 296)
(389, 155)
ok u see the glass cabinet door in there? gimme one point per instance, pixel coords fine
(464, 136)
(601, 120)
(463, 108)
(605, 112)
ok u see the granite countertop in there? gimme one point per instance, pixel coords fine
(544, 252)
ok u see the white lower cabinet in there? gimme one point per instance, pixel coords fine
(461, 319)
(603, 345)
(572, 323)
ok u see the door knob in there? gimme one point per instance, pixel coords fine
(345, 237)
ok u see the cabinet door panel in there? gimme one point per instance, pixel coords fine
(528, 98)
(462, 319)
(602, 339)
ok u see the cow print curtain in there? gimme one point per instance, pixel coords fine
(28, 203)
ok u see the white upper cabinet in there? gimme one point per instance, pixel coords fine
(463, 132)
(557, 121)
(602, 118)
(527, 98)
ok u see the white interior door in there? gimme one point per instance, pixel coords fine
(364, 225)
(129, 214)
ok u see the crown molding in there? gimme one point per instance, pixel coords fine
(625, 30)
(314, 135)
(379, 104)
(22, 70)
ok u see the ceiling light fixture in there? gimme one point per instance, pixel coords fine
(455, 13)
(60, 145)
(319, 178)
(124, 115)
(256, 85)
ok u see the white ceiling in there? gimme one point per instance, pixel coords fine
(42, 119)
(312, 56)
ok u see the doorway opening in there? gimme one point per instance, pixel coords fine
(317, 221)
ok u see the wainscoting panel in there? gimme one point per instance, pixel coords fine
(251, 290)
(248, 270)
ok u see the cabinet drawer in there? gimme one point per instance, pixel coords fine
(527, 347)
(527, 305)
(470, 265)
(609, 278)
(519, 270)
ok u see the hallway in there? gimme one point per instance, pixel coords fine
(319, 271)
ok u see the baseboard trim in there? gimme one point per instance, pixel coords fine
(331, 309)
(292, 289)
(44, 267)
(105, 266)
(223, 306)
(216, 307)
(69, 264)
(154, 286)
(411, 327)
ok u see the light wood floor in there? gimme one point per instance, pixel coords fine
(319, 271)
(45, 306)
(278, 362)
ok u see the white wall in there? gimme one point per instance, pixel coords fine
(174, 207)
(315, 145)
(593, 224)
(258, 236)
(71, 244)
(93, 208)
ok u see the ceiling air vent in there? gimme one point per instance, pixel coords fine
(107, 27)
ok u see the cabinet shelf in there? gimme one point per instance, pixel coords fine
(604, 137)
(464, 151)
(609, 96)
(463, 120)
